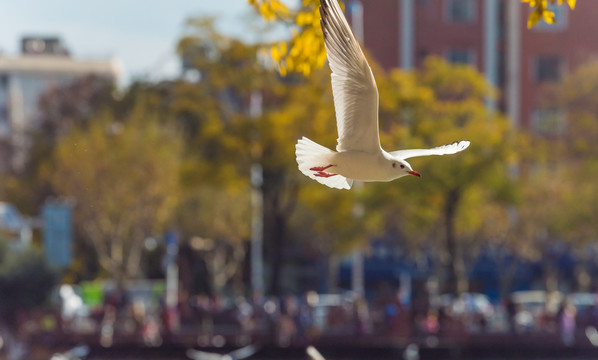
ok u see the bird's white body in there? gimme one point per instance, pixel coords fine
(359, 155)
(364, 166)
(361, 165)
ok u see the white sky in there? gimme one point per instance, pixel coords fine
(142, 34)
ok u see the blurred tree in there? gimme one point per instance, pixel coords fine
(216, 220)
(124, 178)
(26, 282)
(60, 109)
(305, 51)
(457, 193)
(446, 104)
(253, 117)
(570, 159)
(75, 104)
(558, 178)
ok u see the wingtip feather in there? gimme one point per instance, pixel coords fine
(464, 144)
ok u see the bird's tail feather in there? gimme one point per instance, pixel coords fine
(310, 154)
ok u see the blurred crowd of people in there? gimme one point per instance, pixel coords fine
(291, 319)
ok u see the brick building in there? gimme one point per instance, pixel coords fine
(491, 35)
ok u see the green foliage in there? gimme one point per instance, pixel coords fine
(26, 280)
(562, 196)
(124, 178)
(217, 212)
(133, 176)
(60, 109)
(443, 103)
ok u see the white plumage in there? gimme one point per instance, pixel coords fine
(359, 155)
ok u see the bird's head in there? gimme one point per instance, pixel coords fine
(401, 168)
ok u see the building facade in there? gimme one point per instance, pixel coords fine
(44, 63)
(491, 35)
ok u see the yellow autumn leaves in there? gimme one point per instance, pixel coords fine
(305, 51)
(270, 9)
(542, 12)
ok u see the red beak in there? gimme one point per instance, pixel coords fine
(414, 173)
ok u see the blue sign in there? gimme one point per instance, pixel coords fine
(172, 243)
(58, 233)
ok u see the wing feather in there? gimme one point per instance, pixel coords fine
(353, 84)
(440, 150)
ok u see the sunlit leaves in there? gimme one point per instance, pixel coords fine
(304, 51)
(270, 9)
(540, 11)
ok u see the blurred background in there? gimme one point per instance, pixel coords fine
(151, 205)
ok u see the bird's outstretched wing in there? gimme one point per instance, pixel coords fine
(313, 353)
(238, 354)
(353, 84)
(203, 355)
(243, 352)
(440, 150)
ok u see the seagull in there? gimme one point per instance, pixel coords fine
(313, 353)
(358, 154)
(77, 353)
(239, 354)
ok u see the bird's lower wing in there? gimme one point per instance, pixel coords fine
(440, 150)
(243, 352)
(313, 353)
(202, 355)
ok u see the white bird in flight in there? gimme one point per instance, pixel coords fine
(358, 154)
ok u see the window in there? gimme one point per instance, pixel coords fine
(4, 122)
(460, 11)
(548, 121)
(547, 68)
(422, 54)
(461, 56)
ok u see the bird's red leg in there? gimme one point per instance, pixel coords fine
(323, 174)
(319, 168)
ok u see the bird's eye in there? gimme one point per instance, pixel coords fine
(402, 166)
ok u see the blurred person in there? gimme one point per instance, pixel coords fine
(203, 309)
(430, 324)
(391, 314)
(568, 324)
(107, 326)
(398, 316)
(362, 317)
(304, 318)
(511, 309)
(139, 310)
(139, 315)
(117, 298)
(285, 329)
(185, 309)
(550, 318)
(150, 332)
(244, 314)
(594, 312)
(270, 314)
